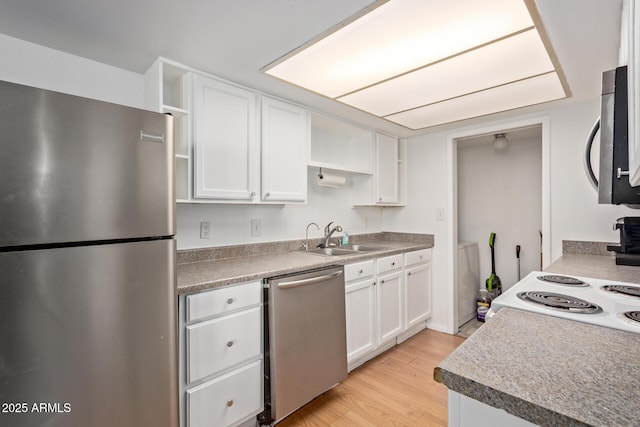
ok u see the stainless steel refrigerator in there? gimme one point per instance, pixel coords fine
(87, 251)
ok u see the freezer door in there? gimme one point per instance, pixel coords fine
(88, 336)
(74, 169)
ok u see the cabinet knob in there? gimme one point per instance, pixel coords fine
(229, 403)
(393, 264)
(253, 194)
(360, 272)
(409, 274)
(267, 194)
(381, 281)
(379, 199)
(229, 343)
(230, 301)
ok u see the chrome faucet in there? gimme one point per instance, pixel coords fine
(328, 231)
(306, 237)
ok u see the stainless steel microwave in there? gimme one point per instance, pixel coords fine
(613, 184)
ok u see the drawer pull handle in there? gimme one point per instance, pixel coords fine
(230, 301)
(229, 343)
(229, 403)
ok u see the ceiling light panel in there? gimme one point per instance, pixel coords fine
(531, 91)
(502, 62)
(397, 37)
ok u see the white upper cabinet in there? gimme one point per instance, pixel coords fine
(384, 187)
(226, 141)
(387, 184)
(285, 137)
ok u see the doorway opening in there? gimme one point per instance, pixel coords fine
(500, 189)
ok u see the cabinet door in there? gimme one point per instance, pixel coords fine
(387, 169)
(417, 282)
(360, 312)
(285, 137)
(389, 307)
(226, 141)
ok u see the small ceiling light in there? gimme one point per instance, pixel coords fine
(500, 142)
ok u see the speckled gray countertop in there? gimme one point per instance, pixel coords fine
(548, 370)
(595, 266)
(207, 274)
(553, 371)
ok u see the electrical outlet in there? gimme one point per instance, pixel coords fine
(256, 227)
(205, 230)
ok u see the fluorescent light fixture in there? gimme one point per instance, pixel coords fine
(404, 56)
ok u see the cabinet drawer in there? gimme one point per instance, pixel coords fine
(221, 343)
(416, 257)
(223, 300)
(389, 263)
(227, 399)
(359, 270)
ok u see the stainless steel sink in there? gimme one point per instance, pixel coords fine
(332, 251)
(362, 248)
(344, 250)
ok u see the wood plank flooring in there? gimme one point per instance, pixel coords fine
(394, 389)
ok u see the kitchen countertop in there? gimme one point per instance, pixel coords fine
(548, 370)
(567, 375)
(209, 274)
(596, 267)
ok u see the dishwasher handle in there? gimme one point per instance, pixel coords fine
(309, 281)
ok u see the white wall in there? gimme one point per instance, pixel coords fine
(501, 192)
(34, 65)
(231, 224)
(574, 212)
(427, 191)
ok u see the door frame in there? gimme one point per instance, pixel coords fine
(452, 197)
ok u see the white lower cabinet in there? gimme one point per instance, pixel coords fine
(390, 306)
(226, 400)
(360, 309)
(387, 300)
(221, 362)
(417, 287)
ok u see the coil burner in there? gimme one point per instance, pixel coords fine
(563, 280)
(632, 317)
(626, 290)
(560, 302)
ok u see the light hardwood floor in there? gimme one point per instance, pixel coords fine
(394, 389)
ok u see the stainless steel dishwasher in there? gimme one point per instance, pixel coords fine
(305, 339)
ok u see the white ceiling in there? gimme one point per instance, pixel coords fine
(234, 39)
